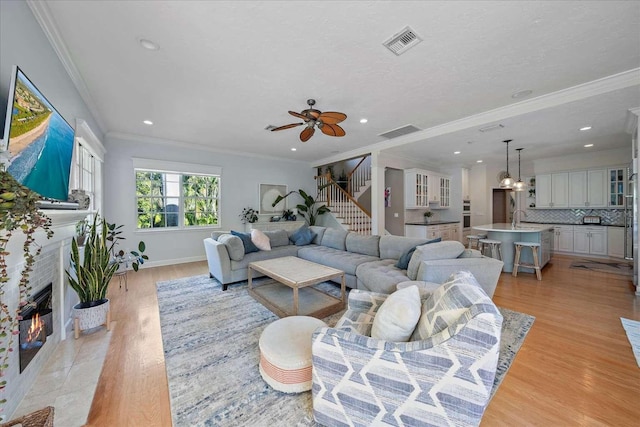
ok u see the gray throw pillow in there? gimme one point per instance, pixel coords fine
(433, 251)
(334, 238)
(234, 246)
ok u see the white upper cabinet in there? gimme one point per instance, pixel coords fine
(616, 186)
(587, 189)
(416, 188)
(552, 190)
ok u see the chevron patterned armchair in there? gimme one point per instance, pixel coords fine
(442, 377)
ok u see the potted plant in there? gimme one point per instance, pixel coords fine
(91, 271)
(427, 216)
(309, 211)
(82, 227)
(248, 215)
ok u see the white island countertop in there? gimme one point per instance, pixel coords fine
(520, 228)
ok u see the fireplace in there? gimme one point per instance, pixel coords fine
(35, 325)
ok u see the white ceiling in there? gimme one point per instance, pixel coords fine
(227, 69)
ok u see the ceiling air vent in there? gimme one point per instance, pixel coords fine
(491, 128)
(404, 130)
(403, 41)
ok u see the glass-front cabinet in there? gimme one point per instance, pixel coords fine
(617, 183)
(416, 185)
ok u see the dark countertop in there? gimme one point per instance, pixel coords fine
(431, 223)
(573, 223)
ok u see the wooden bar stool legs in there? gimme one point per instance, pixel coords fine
(536, 262)
(493, 246)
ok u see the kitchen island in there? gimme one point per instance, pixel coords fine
(507, 234)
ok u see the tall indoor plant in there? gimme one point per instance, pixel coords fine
(309, 211)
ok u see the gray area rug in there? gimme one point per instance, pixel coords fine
(210, 340)
(623, 268)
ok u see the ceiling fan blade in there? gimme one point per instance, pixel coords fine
(300, 116)
(332, 130)
(307, 133)
(332, 117)
(292, 125)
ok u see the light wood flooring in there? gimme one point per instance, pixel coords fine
(575, 368)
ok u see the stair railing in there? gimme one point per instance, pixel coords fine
(359, 175)
(342, 205)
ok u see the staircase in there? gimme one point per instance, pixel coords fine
(344, 206)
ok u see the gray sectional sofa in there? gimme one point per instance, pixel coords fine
(369, 262)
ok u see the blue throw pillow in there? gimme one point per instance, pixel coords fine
(403, 262)
(299, 232)
(305, 237)
(249, 246)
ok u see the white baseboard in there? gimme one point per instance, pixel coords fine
(149, 264)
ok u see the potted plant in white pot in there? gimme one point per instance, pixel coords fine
(91, 271)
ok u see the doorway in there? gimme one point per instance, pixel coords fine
(504, 203)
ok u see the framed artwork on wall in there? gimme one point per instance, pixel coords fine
(268, 195)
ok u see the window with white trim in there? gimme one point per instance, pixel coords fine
(176, 199)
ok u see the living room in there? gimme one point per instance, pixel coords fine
(180, 253)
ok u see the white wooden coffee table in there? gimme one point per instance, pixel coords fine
(292, 273)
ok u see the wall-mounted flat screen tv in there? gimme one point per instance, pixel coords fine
(39, 140)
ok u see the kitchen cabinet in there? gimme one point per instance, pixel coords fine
(590, 240)
(444, 231)
(444, 201)
(588, 188)
(616, 185)
(615, 242)
(563, 238)
(416, 188)
(465, 184)
(552, 190)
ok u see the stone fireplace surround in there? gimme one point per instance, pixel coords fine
(49, 268)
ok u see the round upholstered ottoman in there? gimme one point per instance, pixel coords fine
(425, 288)
(285, 353)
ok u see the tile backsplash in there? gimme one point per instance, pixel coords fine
(574, 216)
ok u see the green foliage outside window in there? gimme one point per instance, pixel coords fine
(164, 198)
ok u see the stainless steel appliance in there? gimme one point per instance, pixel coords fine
(466, 215)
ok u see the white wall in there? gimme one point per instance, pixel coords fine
(584, 160)
(241, 176)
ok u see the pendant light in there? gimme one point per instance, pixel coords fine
(519, 185)
(507, 182)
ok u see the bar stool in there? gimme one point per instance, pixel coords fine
(536, 264)
(494, 247)
(474, 241)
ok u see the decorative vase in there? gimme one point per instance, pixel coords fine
(91, 315)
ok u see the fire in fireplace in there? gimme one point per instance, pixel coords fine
(35, 325)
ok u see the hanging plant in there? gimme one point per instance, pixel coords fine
(18, 211)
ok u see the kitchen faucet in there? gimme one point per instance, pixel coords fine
(514, 216)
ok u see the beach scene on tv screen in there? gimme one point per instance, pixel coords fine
(40, 143)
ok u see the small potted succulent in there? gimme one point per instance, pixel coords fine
(427, 216)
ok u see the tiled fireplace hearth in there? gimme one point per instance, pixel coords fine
(48, 271)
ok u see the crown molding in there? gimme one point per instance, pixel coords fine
(596, 87)
(194, 146)
(46, 21)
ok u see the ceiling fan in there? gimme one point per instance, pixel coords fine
(327, 122)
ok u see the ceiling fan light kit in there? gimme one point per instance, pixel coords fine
(507, 182)
(327, 122)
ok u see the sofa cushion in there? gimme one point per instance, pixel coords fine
(334, 238)
(471, 253)
(277, 238)
(394, 246)
(366, 245)
(380, 276)
(302, 236)
(319, 230)
(260, 240)
(397, 316)
(403, 262)
(246, 241)
(279, 252)
(216, 234)
(447, 304)
(441, 250)
(234, 246)
(342, 260)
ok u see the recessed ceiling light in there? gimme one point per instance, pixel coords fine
(586, 128)
(588, 145)
(148, 44)
(478, 161)
(363, 120)
(147, 122)
(456, 152)
(521, 93)
(294, 149)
